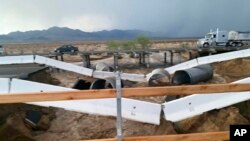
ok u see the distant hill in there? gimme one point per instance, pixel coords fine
(66, 34)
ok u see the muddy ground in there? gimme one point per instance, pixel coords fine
(59, 124)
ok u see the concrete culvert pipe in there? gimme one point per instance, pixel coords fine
(193, 75)
(104, 67)
(158, 77)
(107, 83)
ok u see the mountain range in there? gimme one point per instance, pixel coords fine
(67, 34)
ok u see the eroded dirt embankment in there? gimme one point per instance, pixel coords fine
(67, 125)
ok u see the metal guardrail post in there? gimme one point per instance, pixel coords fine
(9, 85)
(148, 59)
(116, 57)
(118, 106)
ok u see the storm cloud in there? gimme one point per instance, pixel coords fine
(172, 18)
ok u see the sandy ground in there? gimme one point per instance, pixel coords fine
(68, 125)
(84, 46)
(233, 70)
(83, 126)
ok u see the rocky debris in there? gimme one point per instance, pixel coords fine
(244, 109)
(15, 130)
(37, 121)
(217, 120)
(13, 126)
(32, 118)
(44, 123)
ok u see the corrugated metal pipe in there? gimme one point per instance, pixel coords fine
(158, 77)
(193, 75)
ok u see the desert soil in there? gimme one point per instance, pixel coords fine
(68, 125)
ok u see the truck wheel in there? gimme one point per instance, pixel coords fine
(205, 45)
(240, 44)
(233, 44)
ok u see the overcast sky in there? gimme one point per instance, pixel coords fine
(174, 18)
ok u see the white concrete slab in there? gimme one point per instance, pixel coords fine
(63, 65)
(136, 110)
(197, 104)
(24, 59)
(131, 109)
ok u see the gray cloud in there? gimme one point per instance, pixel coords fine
(175, 18)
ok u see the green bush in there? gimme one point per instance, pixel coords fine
(140, 42)
(128, 45)
(113, 45)
(143, 42)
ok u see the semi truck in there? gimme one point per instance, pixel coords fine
(224, 38)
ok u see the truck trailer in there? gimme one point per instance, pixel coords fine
(224, 38)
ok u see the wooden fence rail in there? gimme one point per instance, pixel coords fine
(126, 92)
(137, 92)
(209, 136)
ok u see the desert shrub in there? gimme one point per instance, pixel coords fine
(113, 45)
(143, 42)
(140, 42)
(128, 45)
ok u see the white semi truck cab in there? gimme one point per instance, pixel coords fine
(224, 38)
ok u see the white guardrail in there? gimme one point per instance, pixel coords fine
(175, 110)
(25, 59)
